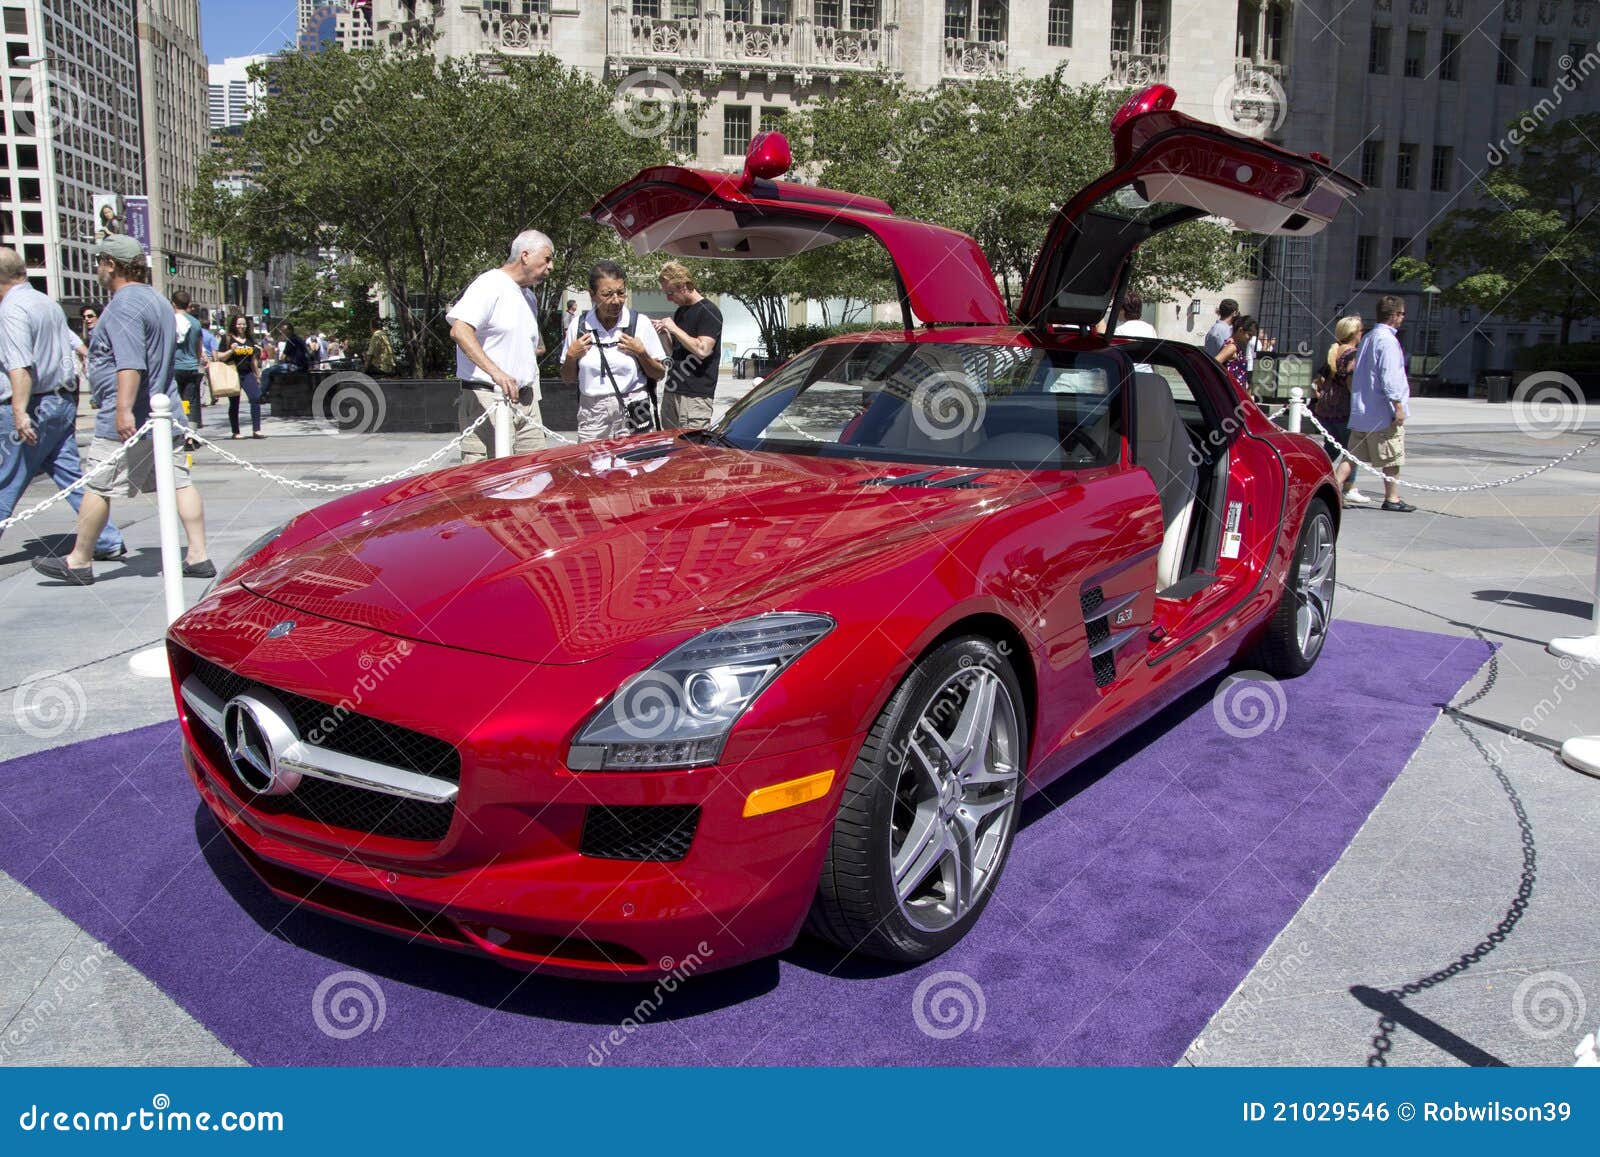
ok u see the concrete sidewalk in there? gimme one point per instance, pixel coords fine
(1429, 876)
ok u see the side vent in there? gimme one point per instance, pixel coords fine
(1103, 641)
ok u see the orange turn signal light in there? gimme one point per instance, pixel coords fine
(791, 793)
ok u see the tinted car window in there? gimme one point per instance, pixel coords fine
(939, 403)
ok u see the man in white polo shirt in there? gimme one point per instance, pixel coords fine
(495, 326)
(612, 352)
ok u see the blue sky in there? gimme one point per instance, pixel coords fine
(243, 27)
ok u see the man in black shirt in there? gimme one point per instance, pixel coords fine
(695, 330)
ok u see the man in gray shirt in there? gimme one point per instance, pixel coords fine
(39, 396)
(1221, 330)
(130, 360)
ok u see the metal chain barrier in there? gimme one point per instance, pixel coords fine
(1345, 454)
(76, 487)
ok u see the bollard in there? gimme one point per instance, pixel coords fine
(502, 424)
(1583, 751)
(152, 661)
(1297, 400)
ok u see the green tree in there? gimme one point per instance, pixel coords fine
(421, 170)
(334, 298)
(1529, 246)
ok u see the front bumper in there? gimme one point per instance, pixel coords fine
(509, 869)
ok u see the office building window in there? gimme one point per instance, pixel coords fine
(1449, 44)
(825, 13)
(956, 14)
(1539, 69)
(1416, 52)
(1378, 51)
(1366, 256)
(1405, 167)
(1059, 33)
(1399, 247)
(1372, 163)
(863, 14)
(648, 9)
(1444, 159)
(735, 130)
(1505, 69)
(992, 20)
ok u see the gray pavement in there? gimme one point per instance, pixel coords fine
(1432, 872)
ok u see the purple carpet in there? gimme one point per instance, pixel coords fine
(1141, 890)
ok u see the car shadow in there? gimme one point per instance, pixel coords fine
(483, 982)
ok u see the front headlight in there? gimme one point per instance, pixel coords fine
(244, 556)
(679, 712)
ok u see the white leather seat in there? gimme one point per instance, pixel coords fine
(1161, 445)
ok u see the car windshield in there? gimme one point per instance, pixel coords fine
(937, 403)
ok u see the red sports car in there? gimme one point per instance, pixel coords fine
(616, 706)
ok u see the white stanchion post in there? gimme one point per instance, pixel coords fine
(502, 425)
(152, 662)
(1297, 399)
(1583, 751)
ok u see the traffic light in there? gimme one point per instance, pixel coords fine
(172, 267)
(266, 310)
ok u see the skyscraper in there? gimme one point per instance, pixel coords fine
(175, 125)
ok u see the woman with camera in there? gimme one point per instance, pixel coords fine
(614, 355)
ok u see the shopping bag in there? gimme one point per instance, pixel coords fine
(224, 380)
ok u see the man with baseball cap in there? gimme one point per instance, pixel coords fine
(130, 361)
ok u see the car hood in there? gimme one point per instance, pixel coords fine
(575, 555)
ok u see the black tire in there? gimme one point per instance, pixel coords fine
(856, 906)
(1283, 650)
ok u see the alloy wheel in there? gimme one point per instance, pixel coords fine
(1314, 593)
(956, 799)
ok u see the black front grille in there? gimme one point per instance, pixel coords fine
(342, 730)
(661, 833)
(355, 809)
(337, 805)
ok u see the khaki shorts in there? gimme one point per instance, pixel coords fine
(680, 411)
(1381, 448)
(527, 426)
(135, 474)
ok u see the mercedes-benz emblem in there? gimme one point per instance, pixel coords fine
(279, 630)
(249, 727)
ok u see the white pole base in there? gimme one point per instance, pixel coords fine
(151, 663)
(1583, 753)
(1585, 649)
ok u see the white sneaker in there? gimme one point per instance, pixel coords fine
(1354, 497)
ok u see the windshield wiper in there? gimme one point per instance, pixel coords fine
(714, 437)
